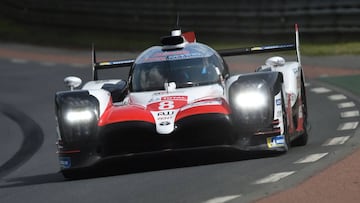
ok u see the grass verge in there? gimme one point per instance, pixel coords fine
(350, 83)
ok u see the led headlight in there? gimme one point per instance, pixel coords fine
(79, 116)
(251, 97)
(251, 100)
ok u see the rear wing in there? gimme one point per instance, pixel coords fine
(264, 49)
(108, 64)
(224, 53)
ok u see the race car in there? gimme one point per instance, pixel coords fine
(181, 96)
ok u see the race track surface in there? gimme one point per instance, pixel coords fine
(29, 166)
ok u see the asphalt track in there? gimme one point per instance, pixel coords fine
(29, 166)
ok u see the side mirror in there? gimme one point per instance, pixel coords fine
(72, 82)
(275, 61)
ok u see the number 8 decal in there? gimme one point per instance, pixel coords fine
(164, 105)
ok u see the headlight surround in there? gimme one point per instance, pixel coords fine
(77, 114)
(251, 102)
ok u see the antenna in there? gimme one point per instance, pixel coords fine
(95, 75)
(177, 21)
(297, 42)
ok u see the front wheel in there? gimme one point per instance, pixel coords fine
(285, 124)
(75, 174)
(303, 138)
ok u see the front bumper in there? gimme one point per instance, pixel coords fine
(127, 139)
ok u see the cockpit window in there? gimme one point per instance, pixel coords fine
(185, 73)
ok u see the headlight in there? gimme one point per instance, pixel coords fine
(80, 116)
(252, 96)
(251, 100)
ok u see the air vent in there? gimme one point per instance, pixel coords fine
(172, 40)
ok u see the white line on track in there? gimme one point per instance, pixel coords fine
(337, 97)
(320, 90)
(348, 126)
(336, 141)
(222, 199)
(19, 61)
(349, 114)
(274, 177)
(346, 105)
(311, 158)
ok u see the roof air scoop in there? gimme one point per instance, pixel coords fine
(175, 41)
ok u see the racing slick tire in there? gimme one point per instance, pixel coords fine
(80, 173)
(303, 138)
(70, 174)
(285, 123)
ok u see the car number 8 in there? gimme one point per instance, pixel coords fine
(164, 105)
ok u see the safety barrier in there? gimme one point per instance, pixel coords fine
(213, 17)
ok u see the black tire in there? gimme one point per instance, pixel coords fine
(70, 174)
(75, 174)
(303, 138)
(285, 123)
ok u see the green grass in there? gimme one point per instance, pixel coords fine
(339, 48)
(350, 83)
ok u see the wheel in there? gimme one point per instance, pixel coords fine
(75, 174)
(303, 138)
(285, 123)
(69, 174)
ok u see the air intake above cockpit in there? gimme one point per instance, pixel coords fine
(175, 41)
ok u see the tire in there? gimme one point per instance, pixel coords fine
(75, 174)
(303, 138)
(285, 123)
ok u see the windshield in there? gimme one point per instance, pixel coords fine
(185, 73)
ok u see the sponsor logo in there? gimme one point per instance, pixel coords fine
(152, 100)
(184, 56)
(296, 70)
(165, 118)
(166, 113)
(171, 53)
(164, 123)
(181, 98)
(65, 162)
(278, 102)
(277, 141)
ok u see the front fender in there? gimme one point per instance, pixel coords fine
(251, 99)
(77, 114)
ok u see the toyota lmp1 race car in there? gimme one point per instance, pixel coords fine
(181, 96)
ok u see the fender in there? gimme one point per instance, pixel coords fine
(77, 114)
(251, 98)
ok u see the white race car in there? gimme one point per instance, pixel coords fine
(181, 96)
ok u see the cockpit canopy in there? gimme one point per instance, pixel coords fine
(194, 65)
